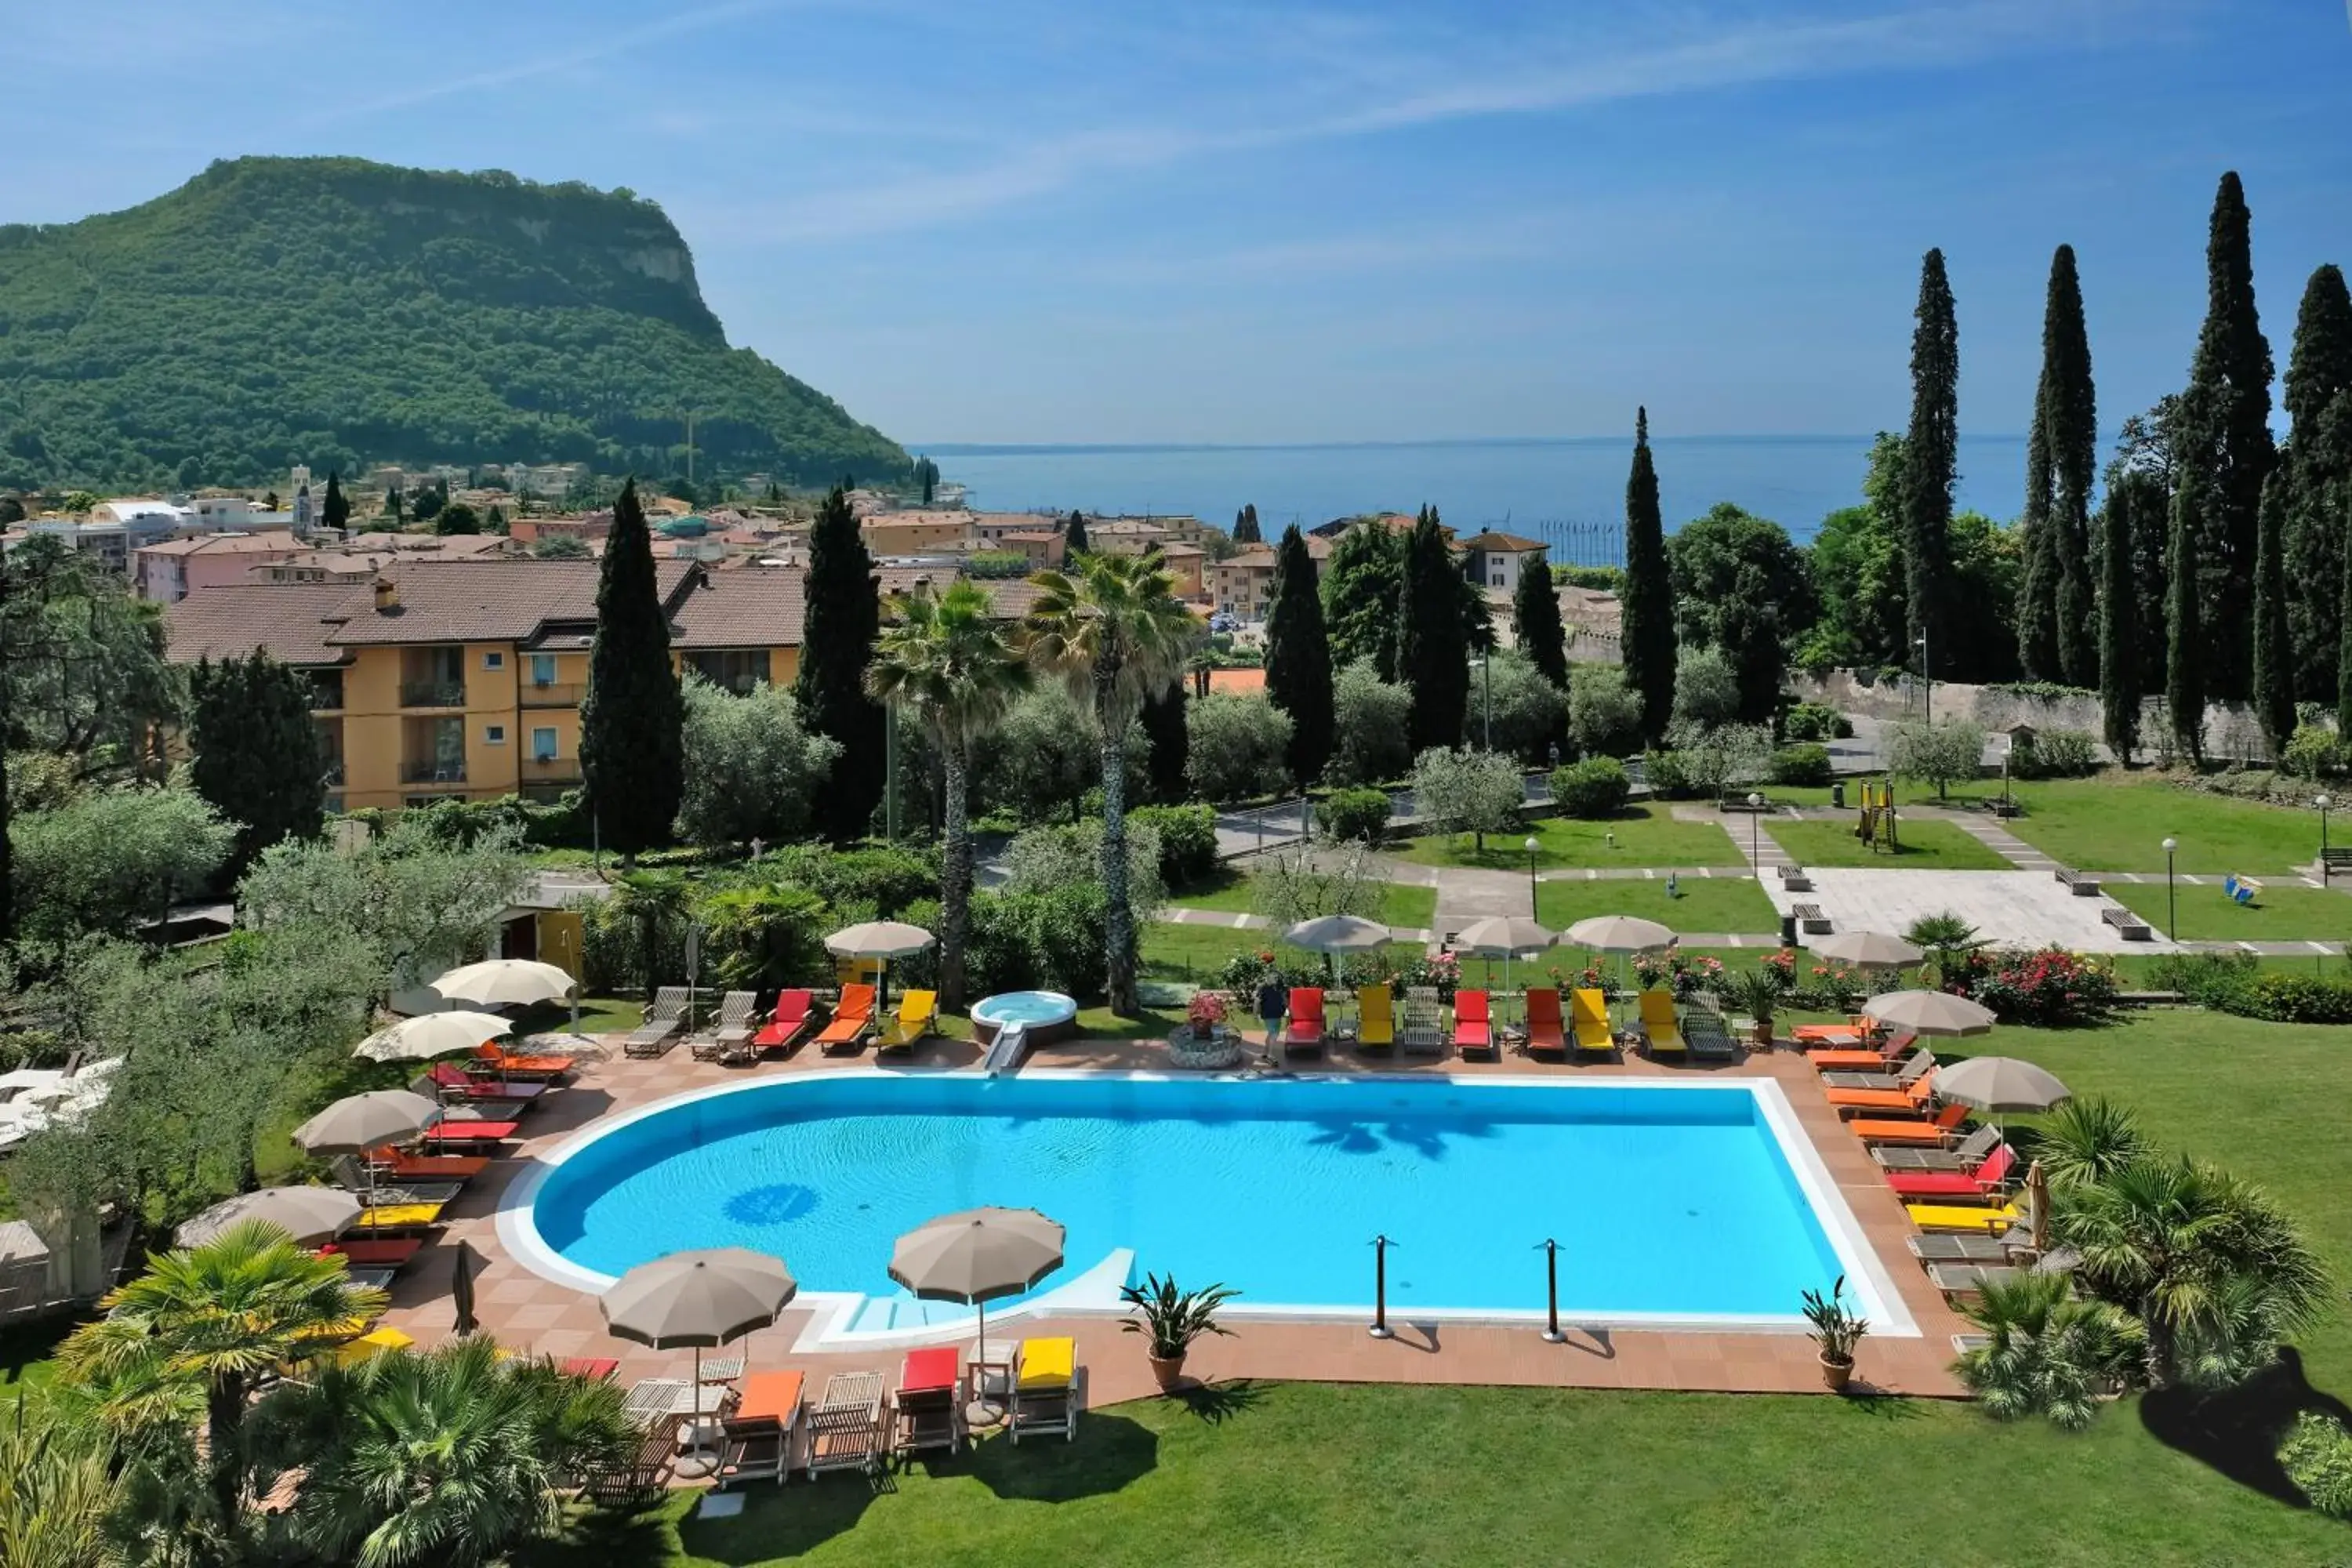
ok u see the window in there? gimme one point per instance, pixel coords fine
(494, 734)
(542, 669)
(494, 661)
(542, 745)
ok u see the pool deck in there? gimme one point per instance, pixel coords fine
(521, 1309)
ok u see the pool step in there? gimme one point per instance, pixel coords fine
(1004, 1054)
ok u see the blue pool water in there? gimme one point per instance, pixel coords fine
(1030, 1007)
(1665, 1200)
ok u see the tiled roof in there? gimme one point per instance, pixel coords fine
(764, 607)
(1498, 542)
(485, 601)
(225, 544)
(292, 620)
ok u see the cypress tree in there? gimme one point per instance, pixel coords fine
(1298, 658)
(843, 618)
(1363, 583)
(1648, 607)
(1433, 654)
(1931, 463)
(256, 752)
(2119, 660)
(2317, 393)
(2274, 654)
(1535, 621)
(2226, 442)
(1246, 526)
(2037, 582)
(1163, 726)
(1074, 534)
(2344, 654)
(335, 511)
(2184, 686)
(632, 749)
(2071, 435)
(392, 502)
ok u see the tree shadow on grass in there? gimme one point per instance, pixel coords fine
(1111, 1452)
(2238, 1433)
(1218, 1402)
(776, 1521)
(602, 1536)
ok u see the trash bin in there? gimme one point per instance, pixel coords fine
(1837, 794)
(1787, 930)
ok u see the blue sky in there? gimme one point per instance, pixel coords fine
(1027, 220)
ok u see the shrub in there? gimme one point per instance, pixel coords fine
(1188, 839)
(1815, 722)
(1041, 859)
(2064, 753)
(1368, 741)
(1677, 971)
(2049, 986)
(2285, 998)
(1668, 774)
(1604, 714)
(1707, 692)
(1727, 754)
(883, 879)
(2311, 752)
(1235, 747)
(1512, 702)
(1351, 814)
(1799, 766)
(2317, 1457)
(1467, 792)
(1595, 787)
(1943, 752)
(2208, 979)
(989, 563)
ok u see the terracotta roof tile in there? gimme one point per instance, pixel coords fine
(290, 620)
(765, 606)
(485, 601)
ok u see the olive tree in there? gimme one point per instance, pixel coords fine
(1467, 792)
(1943, 752)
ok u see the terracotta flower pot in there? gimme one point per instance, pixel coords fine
(1167, 1371)
(1836, 1374)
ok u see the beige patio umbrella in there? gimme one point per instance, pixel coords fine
(1619, 934)
(359, 1123)
(1506, 934)
(431, 1035)
(2001, 1083)
(977, 1257)
(881, 941)
(509, 983)
(1336, 934)
(706, 1299)
(1931, 1013)
(308, 1214)
(1869, 949)
(2037, 1207)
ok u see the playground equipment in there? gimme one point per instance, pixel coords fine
(1877, 829)
(2241, 890)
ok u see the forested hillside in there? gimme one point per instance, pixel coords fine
(338, 313)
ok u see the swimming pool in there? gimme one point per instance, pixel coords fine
(1673, 1202)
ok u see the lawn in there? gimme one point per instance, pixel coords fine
(1926, 845)
(2286, 911)
(1197, 953)
(1707, 903)
(2114, 823)
(1412, 908)
(1339, 1475)
(1643, 836)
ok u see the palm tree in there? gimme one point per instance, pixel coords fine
(2050, 1354)
(2086, 1140)
(56, 1492)
(656, 903)
(2216, 1275)
(452, 1457)
(219, 1315)
(1944, 935)
(949, 660)
(1112, 628)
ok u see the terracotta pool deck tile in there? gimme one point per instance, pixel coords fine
(522, 1310)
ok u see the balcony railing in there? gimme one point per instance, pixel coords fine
(432, 694)
(550, 769)
(533, 695)
(431, 772)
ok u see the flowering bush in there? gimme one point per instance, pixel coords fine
(1204, 1012)
(1782, 967)
(1443, 971)
(1591, 977)
(1831, 988)
(2045, 987)
(1245, 971)
(1672, 970)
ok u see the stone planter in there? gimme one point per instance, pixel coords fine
(1213, 1052)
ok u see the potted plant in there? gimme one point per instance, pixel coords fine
(1174, 1318)
(1757, 993)
(1206, 1013)
(1837, 1329)
(1203, 1040)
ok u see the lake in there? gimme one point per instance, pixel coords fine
(1568, 492)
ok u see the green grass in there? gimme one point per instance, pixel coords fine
(2286, 911)
(1926, 845)
(2112, 824)
(1197, 953)
(1707, 903)
(1337, 1475)
(1412, 908)
(1645, 835)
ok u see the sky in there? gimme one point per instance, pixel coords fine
(1039, 221)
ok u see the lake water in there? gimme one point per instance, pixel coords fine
(1570, 492)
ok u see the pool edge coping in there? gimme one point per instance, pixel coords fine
(1093, 1293)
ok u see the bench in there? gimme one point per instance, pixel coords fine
(1809, 918)
(2130, 925)
(2082, 887)
(1730, 802)
(1794, 880)
(2333, 860)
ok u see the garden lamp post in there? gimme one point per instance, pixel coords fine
(2322, 803)
(1926, 681)
(1532, 845)
(1487, 694)
(1756, 831)
(2171, 909)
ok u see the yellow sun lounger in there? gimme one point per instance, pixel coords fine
(1964, 1216)
(1588, 1011)
(1044, 1389)
(375, 1343)
(918, 1015)
(1661, 1026)
(1375, 1015)
(397, 1216)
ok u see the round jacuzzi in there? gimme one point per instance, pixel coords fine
(1049, 1015)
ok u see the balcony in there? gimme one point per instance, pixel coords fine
(532, 696)
(550, 769)
(432, 771)
(432, 694)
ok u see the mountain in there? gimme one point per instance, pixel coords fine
(338, 313)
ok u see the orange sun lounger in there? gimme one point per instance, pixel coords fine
(846, 1029)
(462, 1131)
(1938, 1129)
(1547, 1030)
(401, 1167)
(1887, 1055)
(390, 1252)
(1915, 1101)
(490, 1058)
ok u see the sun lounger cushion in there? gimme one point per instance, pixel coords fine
(386, 1253)
(771, 1395)
(1918, 1097)
(1963, 1217)
(460, 1130)
(397, 1216)
(489, 1057)
(1047, 1364)
(1375, 1017)
(791, 1016)
(926, 1370)
(429, 1167)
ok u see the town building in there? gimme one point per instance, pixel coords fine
(1241, 585)
(165, 574)
(1494, 559)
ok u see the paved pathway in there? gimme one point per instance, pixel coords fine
(1989, 832)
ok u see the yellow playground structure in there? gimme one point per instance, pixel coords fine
(1876, 829)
